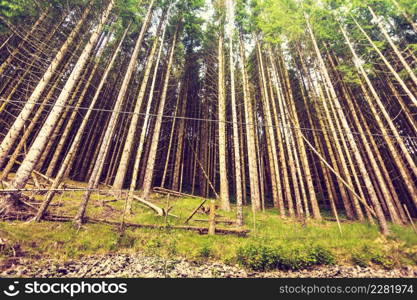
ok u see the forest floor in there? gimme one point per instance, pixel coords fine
(315, 246)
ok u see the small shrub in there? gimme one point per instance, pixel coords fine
(360, 259)
(322, 256)
(261, 258)
(171, 248)
(383, 260)
(295, 259)
(153, 244)
(204, 252)
(367, 255)
(258, 257)
(126, 240)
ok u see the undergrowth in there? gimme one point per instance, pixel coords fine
(273, 242)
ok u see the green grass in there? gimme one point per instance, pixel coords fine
(297, 245)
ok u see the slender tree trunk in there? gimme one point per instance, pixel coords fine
(180, 142)
(224, 184)
(250, 134)
(147, 182)
(171, 136)
(236, 142)
(145, 126)
(68, 125)
(128, 147)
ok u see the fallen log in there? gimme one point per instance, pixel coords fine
(157, 209)
(200, 230)
(164, 191)
(228, 222)
(108, 201)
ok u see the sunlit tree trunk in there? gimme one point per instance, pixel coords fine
(224, 184)
(128, 147)
(250, 134)
(145, 127)
(147, 182)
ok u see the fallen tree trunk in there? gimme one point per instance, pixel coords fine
(157, 209)
(200, 230)
(164, 191)
(228, 222)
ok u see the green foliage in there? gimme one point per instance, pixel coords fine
(17, 8)
(131, 11)
(262, 258)
(360, 259)
(278, 18)
(205, 251)
(258, 257)
(192, 23)
(242, 16)
(408, 6)
(349, 73)
(366, 256)
(26, 11)
(322, 256)
(14, 10)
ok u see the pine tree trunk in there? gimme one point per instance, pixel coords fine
(128, 147)
(236, 143)
(224, 184)
(147, 182)
(180, 142)
(145, 126)
(250, 135)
